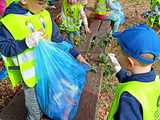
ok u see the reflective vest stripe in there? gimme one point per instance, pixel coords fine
(28, 74)
(25, 57)
(70, 24)
(27, 62)
(69, 19)
(15, 61)
(102, 11)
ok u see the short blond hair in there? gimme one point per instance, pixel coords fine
(146, 56)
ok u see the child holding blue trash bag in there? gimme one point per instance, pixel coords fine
(17, 41)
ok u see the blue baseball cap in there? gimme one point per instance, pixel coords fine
(138, 40)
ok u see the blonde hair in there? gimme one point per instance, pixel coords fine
(146, 56)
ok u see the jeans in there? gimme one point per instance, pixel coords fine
(74, 37)
(34, 112)
(117, 18)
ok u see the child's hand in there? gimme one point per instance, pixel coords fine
(53, 7)
(59, 18)
(115, 62)
(33, 39)
(44, 35)
(158, 31)
(81, 59)
(87, 30)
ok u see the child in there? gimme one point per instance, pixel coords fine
(137, 96)
(17, 39)
(2, 7)
(72, 12)
(110, 10)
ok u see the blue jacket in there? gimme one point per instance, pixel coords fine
(51, 2)
(10, 47)
(116, 10)
(129, 107)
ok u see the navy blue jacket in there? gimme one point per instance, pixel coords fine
(51, 2)
(129, 107)
(10, 47)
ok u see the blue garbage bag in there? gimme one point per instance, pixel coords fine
(61, 79)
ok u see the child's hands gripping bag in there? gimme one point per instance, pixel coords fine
(61, 79)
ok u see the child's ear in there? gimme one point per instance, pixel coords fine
(130, 62)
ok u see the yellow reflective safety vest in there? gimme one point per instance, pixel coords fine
(8, 2)
(102, 8)
(147, 93)
(71, 17)
(21, 26)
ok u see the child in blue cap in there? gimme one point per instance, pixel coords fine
(137, 97)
